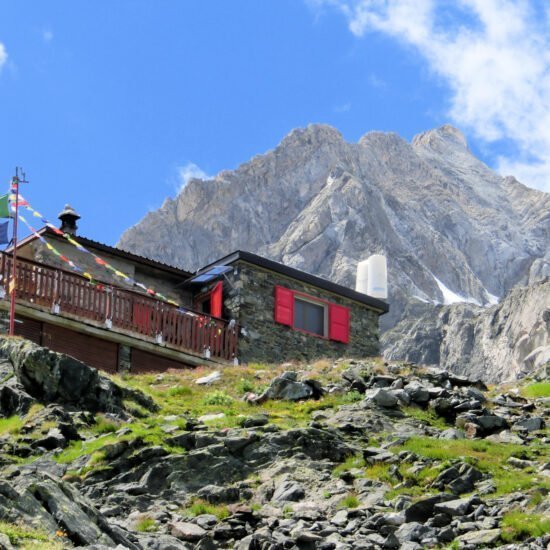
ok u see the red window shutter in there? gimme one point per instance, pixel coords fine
(216, 300)
(339, 323)
(284, 306)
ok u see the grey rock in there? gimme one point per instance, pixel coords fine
(529, 424)
(482, 537)
(382, 398)
(52, 377)
(458, 507)
(505, 437)
(412, 531)
(418, 393)
(14, 399)
(424, 509)
(451, 433)
(340, 518)
(519, 463)
(497, 344)
(288, 491)
(286, 387)
(459, 479)
(187, 531)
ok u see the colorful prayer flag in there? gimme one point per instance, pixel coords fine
(5, 207)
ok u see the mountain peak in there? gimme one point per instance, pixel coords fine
(313, 133)
(444, 135)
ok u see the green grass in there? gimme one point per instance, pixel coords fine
(200, 507)
(427, 416)
(104, 426)
(146, 525)
(11, 425)
(218, 397)
(486, 456)
(352, 396)
(177, 394)
(517, 526)
(351, 463)
(349, 501)
(19, 534)
(538, 389)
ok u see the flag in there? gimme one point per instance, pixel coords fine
(5, 207)
(4, 239)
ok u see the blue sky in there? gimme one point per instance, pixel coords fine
(108, 105)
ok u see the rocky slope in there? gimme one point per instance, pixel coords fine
(500, 343)
(386, 457)
(452, 229)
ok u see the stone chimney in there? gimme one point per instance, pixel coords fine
(68, 219)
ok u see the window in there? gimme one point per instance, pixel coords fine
(310, 316)
(211, 302)
(302, 312)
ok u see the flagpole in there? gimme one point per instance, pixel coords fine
(14, 183)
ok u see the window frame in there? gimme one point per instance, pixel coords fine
(318, 302)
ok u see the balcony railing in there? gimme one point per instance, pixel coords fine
(68, 295)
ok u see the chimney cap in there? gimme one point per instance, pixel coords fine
(69, 211)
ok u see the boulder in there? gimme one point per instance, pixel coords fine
(419, 394)
(531, 424)
(51, 377)
(480, 538)
(187, 531)
(458, 507)
(14, 399)
(288, 491)
(412, 532)
(382, 398)
(422, 510)
(286, 387)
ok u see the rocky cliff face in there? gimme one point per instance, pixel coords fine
(452, 229)
(497, 344)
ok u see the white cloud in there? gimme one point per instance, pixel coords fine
(188, 172)
(495, 57)
(3, 55)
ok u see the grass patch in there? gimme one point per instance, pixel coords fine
(19, 534)
(427, 416)
(349, 501)
(351, 463)
(146, 525)
(104, 426)
(218, 397)
(11, 425)
(177, 394)
(488, 457)
(200, 507)
(80, 448)
(352, 396)
(538, 389)
(517, 526)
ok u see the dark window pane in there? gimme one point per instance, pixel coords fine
(309, 316)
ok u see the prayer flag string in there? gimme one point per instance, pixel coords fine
(98, 260)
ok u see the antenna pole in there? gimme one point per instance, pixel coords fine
(16, 180)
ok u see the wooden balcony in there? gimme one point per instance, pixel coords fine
(66, 294)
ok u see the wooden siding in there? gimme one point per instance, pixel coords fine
(29, 329)
(142, 361)
(97, 353)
